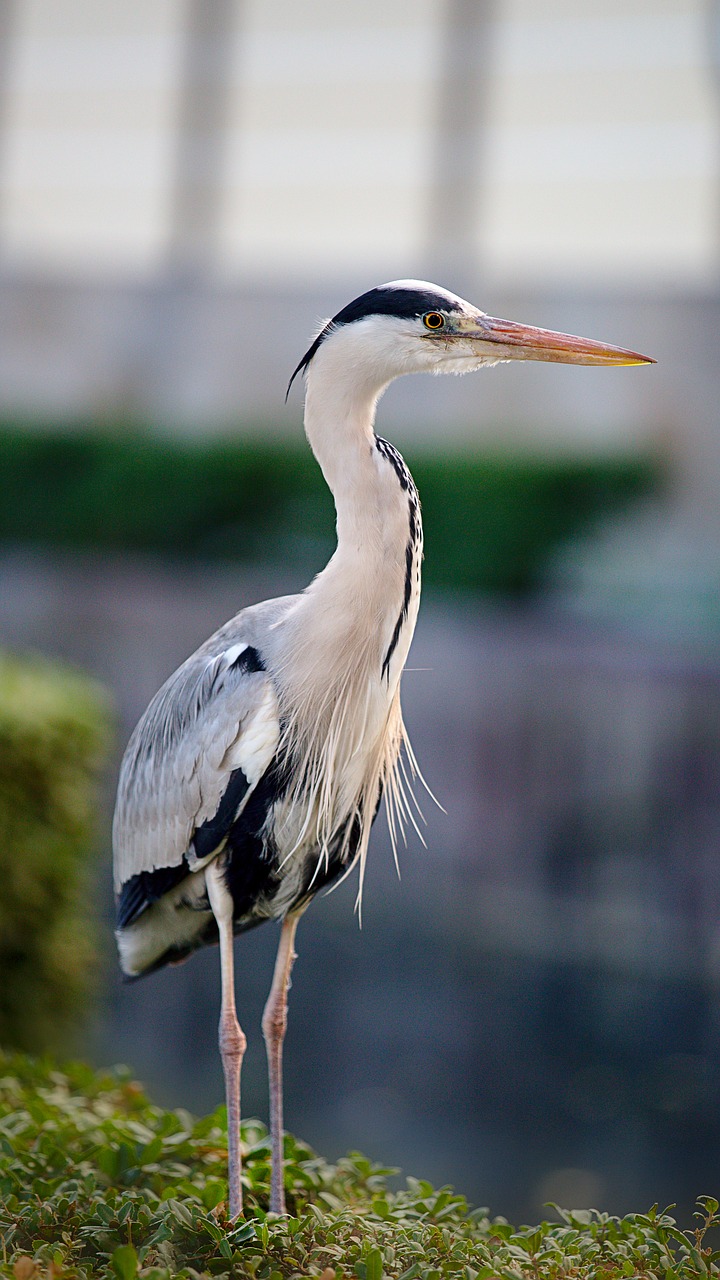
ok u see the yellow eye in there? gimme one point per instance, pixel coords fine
(433, 320)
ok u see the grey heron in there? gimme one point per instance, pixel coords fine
(253, 778)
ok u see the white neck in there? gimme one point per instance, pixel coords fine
(351, 629)
(339, 424)
(364, 585)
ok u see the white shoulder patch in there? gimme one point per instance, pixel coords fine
(256, 744)
(233, 653)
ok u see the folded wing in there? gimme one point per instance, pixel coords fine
(191, 765)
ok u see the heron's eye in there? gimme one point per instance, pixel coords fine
(434, 320)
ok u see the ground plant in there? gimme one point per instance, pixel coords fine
(96, 1181)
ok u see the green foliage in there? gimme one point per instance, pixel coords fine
(95, 1181)
(54, 728)
(491, 521)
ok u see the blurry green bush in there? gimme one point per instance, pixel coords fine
(491, 520)
(54, 732)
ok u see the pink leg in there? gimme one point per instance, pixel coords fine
(273, 1024)
(231, 1039)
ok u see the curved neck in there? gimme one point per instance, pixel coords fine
(339, 424)
(375, 571)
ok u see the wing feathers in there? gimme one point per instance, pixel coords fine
(205, 740)
(144, 889)
(210, 835)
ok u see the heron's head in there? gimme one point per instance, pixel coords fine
(410, 326)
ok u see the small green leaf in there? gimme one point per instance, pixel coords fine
(212, 1228)
(374, 1265)
(180, 1212)
(242, 1233)
(125, 1262)
(212, 1194)
(151, 1152)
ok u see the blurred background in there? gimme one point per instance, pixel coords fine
(533, 1012)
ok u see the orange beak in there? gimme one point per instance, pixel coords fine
(509, 341)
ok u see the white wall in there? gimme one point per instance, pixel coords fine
(597, 138)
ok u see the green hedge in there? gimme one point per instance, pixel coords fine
(96, 1182)
(491, 521)
(54, 729)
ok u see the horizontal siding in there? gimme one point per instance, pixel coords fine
(599, 151)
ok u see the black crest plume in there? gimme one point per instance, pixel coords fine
(386, 300)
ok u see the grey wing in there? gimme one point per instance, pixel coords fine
(204, 742)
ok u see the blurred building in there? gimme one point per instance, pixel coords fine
(185, 188)
(323, 140)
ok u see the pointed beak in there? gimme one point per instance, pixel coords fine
(509, 341)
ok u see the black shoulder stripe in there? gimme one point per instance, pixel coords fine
(147, 887)
(210, 834)
(249, 660)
